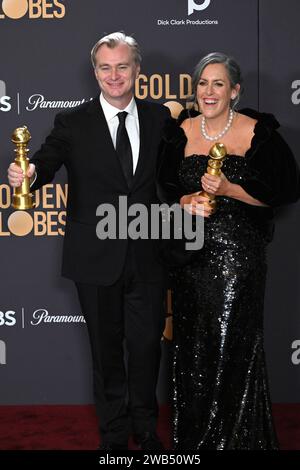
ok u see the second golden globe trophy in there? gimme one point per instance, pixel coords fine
(22, 197)
(217, 154)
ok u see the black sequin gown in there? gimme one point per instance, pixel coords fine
(221, 396)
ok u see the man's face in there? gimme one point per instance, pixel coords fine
(116, 73)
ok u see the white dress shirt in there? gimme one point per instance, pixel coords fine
(132, 125)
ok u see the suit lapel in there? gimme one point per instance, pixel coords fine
(101, 137)
(99, 123)
(145, 124)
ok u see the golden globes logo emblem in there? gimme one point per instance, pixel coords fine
(48, 218)
(192, 6)
(33, 9)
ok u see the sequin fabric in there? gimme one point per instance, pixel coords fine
(221, 396)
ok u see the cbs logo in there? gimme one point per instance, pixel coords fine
(4, 99)
(192, 6)
(7, 318)
(16, 9)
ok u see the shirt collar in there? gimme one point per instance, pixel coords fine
(111, 111)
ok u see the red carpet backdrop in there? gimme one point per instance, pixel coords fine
(45, 68)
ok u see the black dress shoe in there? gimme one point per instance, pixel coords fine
(149, 441)
(111, 446)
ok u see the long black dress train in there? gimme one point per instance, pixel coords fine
(221, 396)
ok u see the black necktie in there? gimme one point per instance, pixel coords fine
(123, 148)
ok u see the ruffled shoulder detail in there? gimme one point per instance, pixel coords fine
(273, 175)
(264, 128)
(173, 133)
(266, 120)
(186, 114)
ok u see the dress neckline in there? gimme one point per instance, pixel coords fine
(249, 149)
(264, 127)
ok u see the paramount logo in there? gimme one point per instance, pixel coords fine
(38, 101)
(42, 316)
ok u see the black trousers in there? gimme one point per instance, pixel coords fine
(132, 310)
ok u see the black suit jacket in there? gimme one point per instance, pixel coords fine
(81, 141)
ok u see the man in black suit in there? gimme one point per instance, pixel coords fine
(120, 282)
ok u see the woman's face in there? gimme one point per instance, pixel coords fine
(214, 91)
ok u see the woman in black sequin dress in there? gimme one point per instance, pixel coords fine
(221, 396)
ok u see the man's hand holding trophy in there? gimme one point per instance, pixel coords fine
(21, 171)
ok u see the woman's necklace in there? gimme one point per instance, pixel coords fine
(223, 132)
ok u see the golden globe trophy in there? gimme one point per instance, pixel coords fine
(217, 155)
(22, 197)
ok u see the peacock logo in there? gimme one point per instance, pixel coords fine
(192, 6)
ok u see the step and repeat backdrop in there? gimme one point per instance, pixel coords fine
(45, 68)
